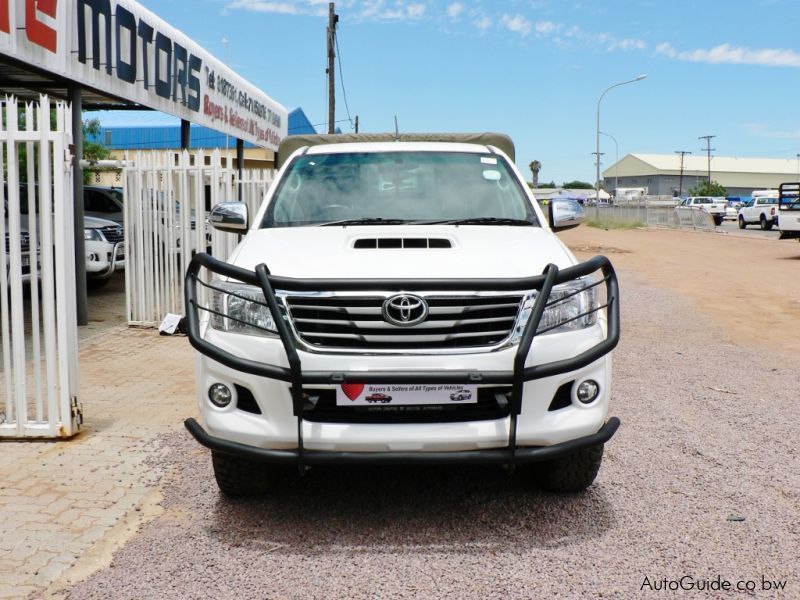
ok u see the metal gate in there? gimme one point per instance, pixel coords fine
(38, 327)
(167, 198)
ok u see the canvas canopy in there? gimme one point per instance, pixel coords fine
(293, 142)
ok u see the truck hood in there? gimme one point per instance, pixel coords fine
(336, 252)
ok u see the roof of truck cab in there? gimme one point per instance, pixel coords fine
(386, 142)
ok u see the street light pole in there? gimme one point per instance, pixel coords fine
(597, 154)
(616, 160)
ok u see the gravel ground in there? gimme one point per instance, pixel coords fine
(702, 480)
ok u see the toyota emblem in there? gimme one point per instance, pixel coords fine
(405, 310)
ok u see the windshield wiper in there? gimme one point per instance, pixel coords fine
(365, 221)
(482, 221)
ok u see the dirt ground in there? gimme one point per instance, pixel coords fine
(749, 286)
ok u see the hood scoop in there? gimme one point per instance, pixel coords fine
(397, 242)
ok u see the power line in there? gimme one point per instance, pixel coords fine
(341, 77)
(708, 149)
(680, 180)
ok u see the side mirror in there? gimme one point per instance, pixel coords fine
(230, 217)
(565, 213)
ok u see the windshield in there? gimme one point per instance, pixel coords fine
(398, 187)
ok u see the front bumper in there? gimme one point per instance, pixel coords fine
(283, 379)
(499, 456)
(104, 259)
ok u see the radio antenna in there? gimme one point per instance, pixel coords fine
(396, 130)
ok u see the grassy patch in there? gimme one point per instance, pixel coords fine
(606, 223)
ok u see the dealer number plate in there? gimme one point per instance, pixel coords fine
(360, 394)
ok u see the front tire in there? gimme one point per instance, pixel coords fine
(572, 473)
(742, 223)
(717, 220)
(237, 476)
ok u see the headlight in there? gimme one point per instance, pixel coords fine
(93, 234)
(567, 301)
(240, 308)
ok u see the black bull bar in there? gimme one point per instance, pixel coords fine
(297, 377)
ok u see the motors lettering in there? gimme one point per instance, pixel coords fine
(142, 53)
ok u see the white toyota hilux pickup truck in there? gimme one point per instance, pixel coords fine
(401, 300)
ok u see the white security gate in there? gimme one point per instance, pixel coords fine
(39, 375)
(167, 198)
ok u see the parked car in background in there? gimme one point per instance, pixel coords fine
(103, 239)
(105, 250)
(761, 209)
(734, 204)
(714, 206)
(103, 203)
(23, 242)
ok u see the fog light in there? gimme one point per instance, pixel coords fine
(588, 391)
(91, 257)
(220, 395)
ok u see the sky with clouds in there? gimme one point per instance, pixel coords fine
(534, 69)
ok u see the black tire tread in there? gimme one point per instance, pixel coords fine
(572, 473)
(237, 476)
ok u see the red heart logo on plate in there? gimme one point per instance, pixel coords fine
(352, 390)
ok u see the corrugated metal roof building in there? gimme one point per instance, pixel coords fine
(156, 131)
(128, 131)
(661, 173)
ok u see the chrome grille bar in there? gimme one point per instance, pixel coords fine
(341, 321)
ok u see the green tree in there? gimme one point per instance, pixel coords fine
(92, 148)
(549, 186)
(706, 188)
(578, 185)
(535, 167)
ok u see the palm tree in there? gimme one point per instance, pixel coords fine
(535, 167)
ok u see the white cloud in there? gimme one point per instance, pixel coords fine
(455, 9)
(399, 10)
(546, 27)
(286, 8)
(517, 24)
(380, 10)
(483, 22)
(734, 55)
(760, 130)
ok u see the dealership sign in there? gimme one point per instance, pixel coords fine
(120, 48)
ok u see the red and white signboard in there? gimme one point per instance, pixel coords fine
(120, 48)
(361, 394)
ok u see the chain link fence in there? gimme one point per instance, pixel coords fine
(651, 213)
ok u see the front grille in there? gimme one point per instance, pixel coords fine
(356, 322)
(493, 403)
(113, 234)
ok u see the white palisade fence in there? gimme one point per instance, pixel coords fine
(39, 375)
(168, 195)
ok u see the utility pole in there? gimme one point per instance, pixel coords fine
(680, 180)
(333, 18)
(708, 150)
(597, 185)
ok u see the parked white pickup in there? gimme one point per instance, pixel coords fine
(714, 206)
(761, 209)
